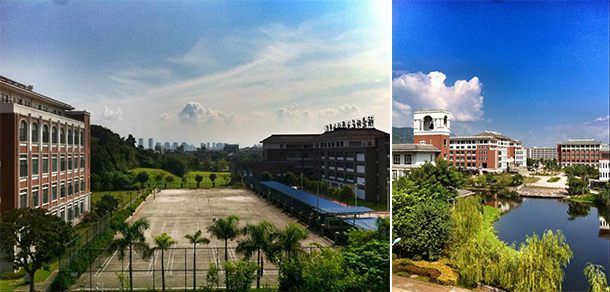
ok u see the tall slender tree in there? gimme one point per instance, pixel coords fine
(132, 238)
(258, 239)
(289, 240)
(225, 229)
(195, 239)
(163, 242)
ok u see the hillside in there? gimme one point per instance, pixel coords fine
(402, 135)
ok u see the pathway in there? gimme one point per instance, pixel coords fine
(403, 284)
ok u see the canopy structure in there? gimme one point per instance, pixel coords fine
(363, 223)
(323, 206)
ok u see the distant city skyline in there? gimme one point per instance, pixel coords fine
(534, 71)
(182, 70)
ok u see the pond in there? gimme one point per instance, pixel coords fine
(581, 225)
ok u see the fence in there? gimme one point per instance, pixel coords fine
(218, 183)
(180, 265)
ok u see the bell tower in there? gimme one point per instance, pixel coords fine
(433, 127)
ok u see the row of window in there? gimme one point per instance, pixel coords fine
(69, 164)
(79, 208)
(467, 152)
(23, 134)
(580, 149)
(45, 196)
(581, 156)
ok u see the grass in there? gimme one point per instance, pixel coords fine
(585, 199)
(39, 277)
(123, 196)
(553, 179)
(532, 179)
(190, 177)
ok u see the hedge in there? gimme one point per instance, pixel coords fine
(437, 272)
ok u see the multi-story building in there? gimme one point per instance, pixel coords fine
(141, 142)
(355, 157)
(489, 151)
(604, 164)
(537, 153)
(44, 153)
(579, 151)
(150, 143)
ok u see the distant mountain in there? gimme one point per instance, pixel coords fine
(402, 135)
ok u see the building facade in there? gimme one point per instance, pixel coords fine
(604, 164)
(44, 153)
(537, 153)
(408, 156)
(489, 151)
(579, 151)
(358, 158)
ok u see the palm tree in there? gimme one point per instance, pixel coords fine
(163, 242)
(132, 239)
(289, 239)
(260, 237)
(194, 239)
(225, 229)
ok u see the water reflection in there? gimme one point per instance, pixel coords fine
(604, 228)
(576, 210)
(504, 204)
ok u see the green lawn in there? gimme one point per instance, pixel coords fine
(190, 176)
(123, 196)
(39, 277)
(532, 179)
(553, 179)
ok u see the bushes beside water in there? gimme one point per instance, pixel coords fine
(480, 257)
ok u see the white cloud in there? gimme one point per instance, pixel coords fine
(194, 112)
(428, 91)
(289, 111)
(112, 115)
(164, 116)
(402, 116)
(597, 130)
(346, 110)
(603, 119)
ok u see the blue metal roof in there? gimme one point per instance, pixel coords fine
(325, 206)
(363, 223)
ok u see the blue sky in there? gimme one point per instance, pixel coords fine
(534, 71)
(231, 71)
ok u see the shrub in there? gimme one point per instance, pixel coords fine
(438, 272)
(240, 274)
(505, 193)
(553, 179)
(212, 277)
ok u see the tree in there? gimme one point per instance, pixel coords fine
(425, 230)
(290, 178)
(213, 178)
(596, 278)
(132, 237)
(207, 164)
(266, 176)
(346, 193)
(212, 278)
(184, 179)
(195, 239)
(106, 204)
(159, 178)
(31, 238)
(258, 238)
(163, 242)
(222, 165)
(289, 240)
(603, 198)
(168, 180)
(225, 229)
(142, 178)
(240, 275)
(198, 179)
(577, 186)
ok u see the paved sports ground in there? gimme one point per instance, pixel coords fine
(181, 212)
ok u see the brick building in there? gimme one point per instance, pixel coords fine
(579, 151)
(44, 153)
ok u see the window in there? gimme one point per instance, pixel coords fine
(45, 134)
(35, 197)
(445, 143)
(69, 162)
(62, 136)
(408, 159)
(45, 164)
(45, 195)
(70, 190)
(70, 137)
(54, 163)
(76, 209)
(23, 165)
(23, 198)
(35, 166)
(76, 140)
(70, 215)
(396, 159)
(75, 161)
(82, 138)
(54, 135)
(82, 184)
(54, 192)
(23, 131)
(82, 161)
(76, 186)
(62, 190)
(82, 206)
(63, 163)
(34, 132)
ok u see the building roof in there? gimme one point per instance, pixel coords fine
(351, 134)
(28, 89)
(290, 138)
(429, 111)
(494, 135)
(415, 148)
(581, 142)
